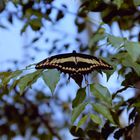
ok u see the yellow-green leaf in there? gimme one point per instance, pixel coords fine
(77, 111)
(101, 109)
(28, 79)
(80, 96)
(96, 119)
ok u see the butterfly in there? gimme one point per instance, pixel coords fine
(75, 64)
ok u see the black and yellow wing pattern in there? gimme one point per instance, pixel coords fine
(75, 64)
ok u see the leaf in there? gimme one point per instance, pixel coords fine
(97, 37)
(128, 62)
(101, 109)
(13, 85)
(35, 24)
(51, 78)
(116, 42)
(125, 59)
(2, 76)
(28, 79)
(130, 79)
(113, 64)
(118, 3)
(96, 119)
(80, 97)
(101, 93)
(77, 111)
(24, 28)
(8, 76)
(82, 121)
(133, 48)
(136, 2)
(77, 132)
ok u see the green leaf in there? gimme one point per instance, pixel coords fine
(24, 28)
(116, 42)
(28, 79)
(97, 37)
(137, 2)
(80, 97)
(77, 111)
(82, 120)
(128, 62)
(15, 82)
(101, 93)
(51, 78)
(133, 48)
(7, 76)
(4, 74)
(96, 119)
(35, 24)
(125, 59)
(118, 3)
(101, 109)
(113, 64)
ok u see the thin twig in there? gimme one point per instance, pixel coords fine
(118, 91)
(50, 128)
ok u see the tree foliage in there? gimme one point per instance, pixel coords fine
(93, 116)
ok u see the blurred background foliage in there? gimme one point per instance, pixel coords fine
(33, 113)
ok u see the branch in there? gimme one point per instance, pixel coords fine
(50, 128)
(118, 91)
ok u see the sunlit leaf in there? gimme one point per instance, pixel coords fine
(82, 120)
(118, 3)
(133, 49)
(96, 119)
(24, 28)
(101, 109)
(101, 93)
(15, 82)
(4, 74)
(113, 64)
(35, 24)
(28, 79)
(126, 60)
(116, 42)
(7, 76)
(77, 111)
(80, 96)
(51, 78)
(97, 37)
(136, 2)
